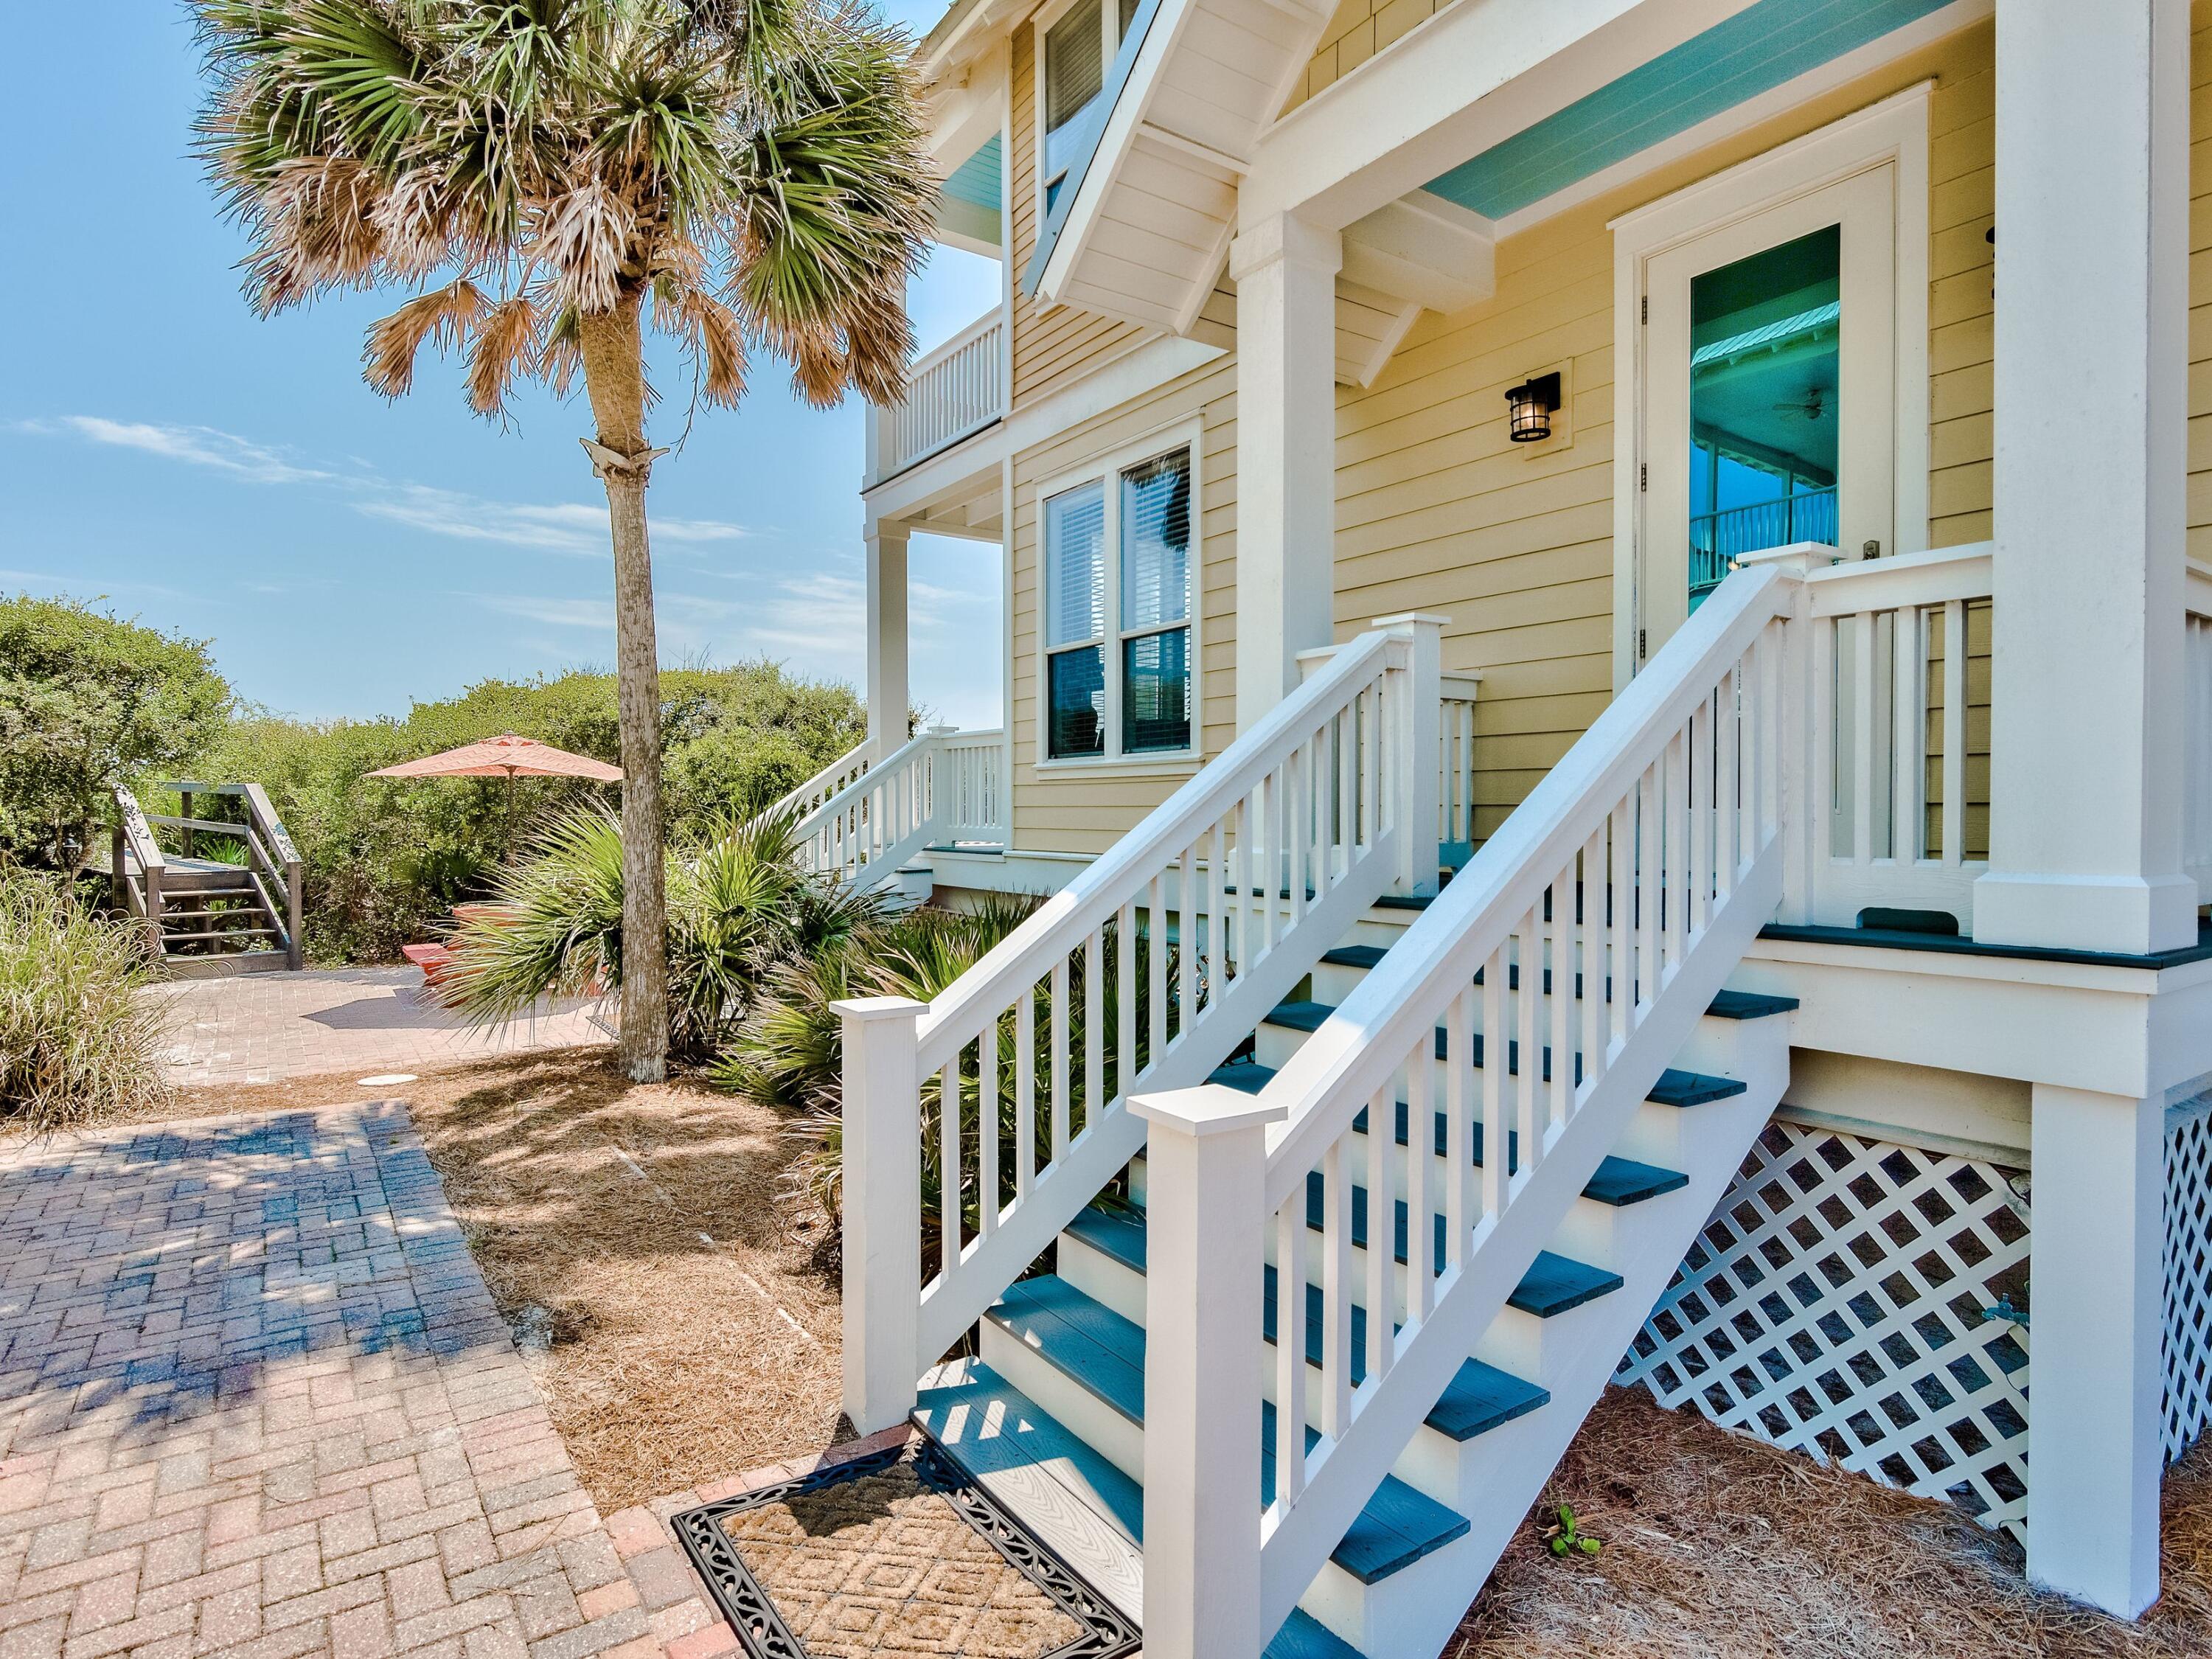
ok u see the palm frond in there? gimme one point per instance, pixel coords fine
(506, 344)
(446, 315)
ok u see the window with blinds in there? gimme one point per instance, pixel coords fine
(1138, 623)
(1074, 71)
(1155, 604)
(1075, 622)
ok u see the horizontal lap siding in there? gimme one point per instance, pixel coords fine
(1053, 344)
(1436, 511)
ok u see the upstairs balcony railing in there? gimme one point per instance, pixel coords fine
(1716, 539)
(952, 392)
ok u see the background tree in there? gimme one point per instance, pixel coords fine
(557, 175)
(88, 702)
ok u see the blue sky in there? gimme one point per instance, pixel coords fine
(235, 479)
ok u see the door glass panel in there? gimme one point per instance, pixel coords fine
(1765, 336)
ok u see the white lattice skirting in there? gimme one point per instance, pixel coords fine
(1839, 1302)
(2188, 1275)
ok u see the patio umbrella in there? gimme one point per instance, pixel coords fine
(509, 756)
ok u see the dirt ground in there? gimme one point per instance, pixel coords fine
(692, 1336)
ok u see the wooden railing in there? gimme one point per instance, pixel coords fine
(272, 865)
(1145, 971)
(951, 393)
(1896, 773)
(1455, 804)
(2196, 732)
(136, 851)
(940, 786)
(1646, 860)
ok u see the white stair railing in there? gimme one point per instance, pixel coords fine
(934, 788)
(1645, 863)
(1144, 971)
(846, 769)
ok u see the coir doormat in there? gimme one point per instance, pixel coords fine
(893, 1556)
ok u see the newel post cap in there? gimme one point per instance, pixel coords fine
(1798, 558)
(866, 1009)
(1210, 1109)
(1412, 619)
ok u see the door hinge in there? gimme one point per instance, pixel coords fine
(1647, 307)
(1643, 476)
(1639, 645)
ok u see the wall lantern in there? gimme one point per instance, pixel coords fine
(1531, 405)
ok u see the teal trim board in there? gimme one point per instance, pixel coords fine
(1753, 51)
(976, 180)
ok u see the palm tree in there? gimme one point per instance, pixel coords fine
(555, 176)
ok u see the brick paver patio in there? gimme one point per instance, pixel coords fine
(256, 1401)
(256, 1028)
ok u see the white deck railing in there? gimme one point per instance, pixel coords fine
(1898, 797)
(951, 393)
(1646, 860)
(1146, 970)
(942, 785)
(2197, 732)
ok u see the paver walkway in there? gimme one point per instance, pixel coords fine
(256, 1401)
(256, 1028)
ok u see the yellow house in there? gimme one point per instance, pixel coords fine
(1724, 473)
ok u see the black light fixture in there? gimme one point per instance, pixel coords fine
(1531, 405)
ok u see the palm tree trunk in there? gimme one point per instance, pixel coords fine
(614, 377)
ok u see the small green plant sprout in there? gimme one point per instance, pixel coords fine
(1568, 1539)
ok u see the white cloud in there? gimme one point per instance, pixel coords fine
(598, 614)
(197, 445)
(579, 527)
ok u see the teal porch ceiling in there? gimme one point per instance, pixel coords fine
(1753, 51)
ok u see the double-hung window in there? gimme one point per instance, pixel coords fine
(1078, 46)
(1119, 674)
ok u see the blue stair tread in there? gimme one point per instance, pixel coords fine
(1398, 1526)
(1749, 1004)
(1478, 1398)
(1112, 1232)
(1619, 1180)
(990, 1427)
(1085, 1339)
(1679, 1088)
(1247, 1076)
(1104, 1353)
(1305, 1637)
(1555, 1282)
(1355, 956)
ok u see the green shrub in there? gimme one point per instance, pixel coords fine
(387, 860)
(88, 702)
(78, 1040)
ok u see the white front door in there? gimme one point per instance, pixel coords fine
(1769, 364)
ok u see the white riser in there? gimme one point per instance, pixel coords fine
(1102, 1279)
(1090, 1418)
(1412, 1612)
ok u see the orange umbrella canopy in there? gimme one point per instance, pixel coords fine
(507, 757)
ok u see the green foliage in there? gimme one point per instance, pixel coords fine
(739, 905)
(76, 1039)
(88, 702)
(387, 860)
(1568, 1539)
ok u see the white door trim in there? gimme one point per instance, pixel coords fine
(1893, 132)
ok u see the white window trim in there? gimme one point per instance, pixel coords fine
(1110, 24)
(1893, 132)
(1105, 469)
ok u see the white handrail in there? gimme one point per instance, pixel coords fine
(1255, 865)
(840, 774)
(1889, 773)
(2196, 729)
(940, 785)
(1643, 862)
(951, 392)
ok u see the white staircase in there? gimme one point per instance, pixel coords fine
(1201, 1408)
(860, 820)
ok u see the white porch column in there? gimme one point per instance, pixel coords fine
(2092, 355)
(2096, 1295)
(887, 688)
(1205, 1205)
(1285, 272)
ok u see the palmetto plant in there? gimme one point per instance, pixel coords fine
(555, 176)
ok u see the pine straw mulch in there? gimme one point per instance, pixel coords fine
(676, 1361)
(1719, 1546)
(639, 1227)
